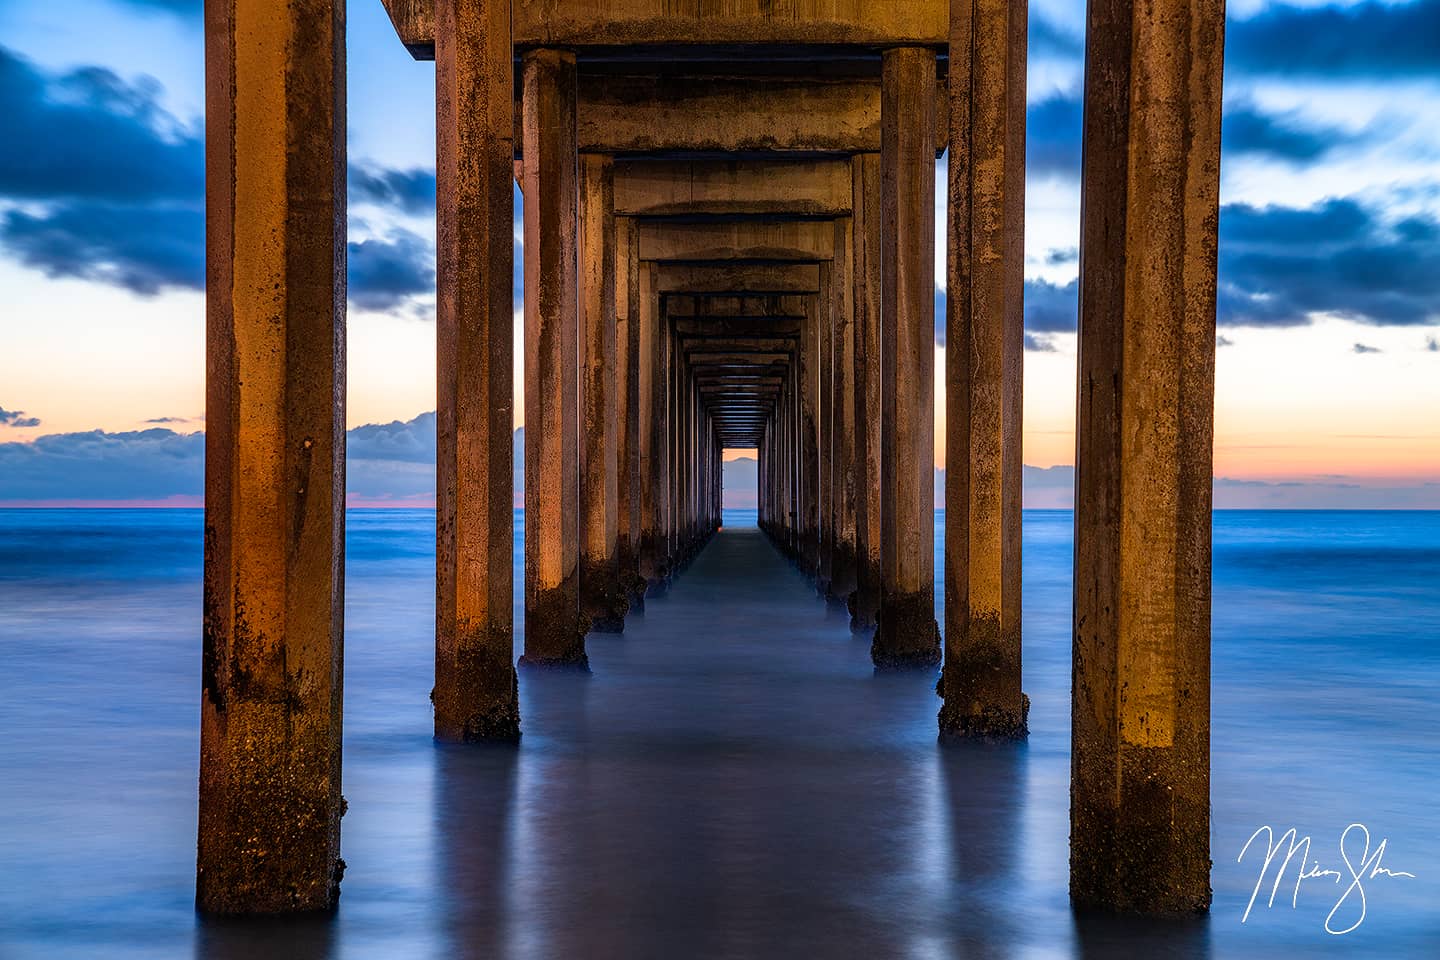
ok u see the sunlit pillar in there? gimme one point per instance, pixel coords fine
(865, 183)
(907, 634)
(270, 805)
(1140, 747)
(554, 626)
(475, 690)
(983, 360)
(602, 599)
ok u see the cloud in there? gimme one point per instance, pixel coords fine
(1053, 135)
(142, 249)
(1368, 39)
(17, 418)
(1366, 348)
(163, 420)
(411, 191)
(1039, 344)
(1279, 265)
(90, 135)
(1223, 341)
(111, 189)
(95, 465)
(1432, 344)
(1050, 307)
(387, 273)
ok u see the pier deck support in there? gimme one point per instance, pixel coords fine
(983, 360)
(1140, 768)
(907, 635)
(842, 555)
(554, 626)
(475, 684)
(270, 805)
(865, 606)
(602, 598)
(627, 382)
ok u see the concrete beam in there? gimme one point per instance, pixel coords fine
(475, 694)
(724, 327)
(270, 709)
(708, 114)
(737, 278)
(660, 23)
(722, 306)
(1140, 711)
(803, 240)
(773, 186)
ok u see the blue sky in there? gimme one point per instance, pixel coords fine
(1328, 379)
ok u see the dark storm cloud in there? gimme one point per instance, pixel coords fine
(1432, 344)
(1039, 344)
(17, 418)
(1382, 40)
(1366, 348)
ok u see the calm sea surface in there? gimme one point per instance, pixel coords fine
(732, 780)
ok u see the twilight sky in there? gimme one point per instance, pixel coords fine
(1328, 379)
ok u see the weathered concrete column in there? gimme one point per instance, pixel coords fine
(554, 626)
(825, 423)
(808, 381)
(602, 598)
(651, 384)
(983, 360)
(269, 836)
(907, 634)
(627, 334)
(842, 552)
(475, 689)
(865, 607)
(1140, 768)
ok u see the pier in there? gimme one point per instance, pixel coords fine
(729, 242)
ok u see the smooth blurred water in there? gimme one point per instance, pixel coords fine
(732, 779)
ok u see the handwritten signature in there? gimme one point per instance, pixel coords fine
(1367, 866)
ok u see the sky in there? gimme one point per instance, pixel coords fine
(1328, 372)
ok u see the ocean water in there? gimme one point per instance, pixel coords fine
(731, 780)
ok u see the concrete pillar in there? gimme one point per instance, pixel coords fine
(554, 626)
(907, 634)
(628, 349)
(651, 383)
(983, 361)
(602, 599)
(825, 414)
(1140, 769)
(475, 690)
(865, 606)
(808, 498)
(844, 471)
(269, 822)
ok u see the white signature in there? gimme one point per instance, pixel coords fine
(1367, 866)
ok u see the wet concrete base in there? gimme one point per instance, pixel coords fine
(906, 636)
(477, 698)
(1146, 847)
(987, 723)
(555, 629)
(603, 599)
